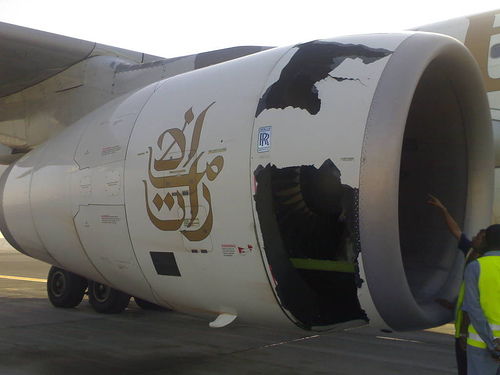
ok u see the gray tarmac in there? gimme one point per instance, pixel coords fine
(36, 338)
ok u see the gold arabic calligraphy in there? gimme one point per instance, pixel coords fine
(170, 161)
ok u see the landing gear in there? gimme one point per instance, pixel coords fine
(146, 305)
(107, 300)
(65, 289)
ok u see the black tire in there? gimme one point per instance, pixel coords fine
(146, 305)
(65, 289)
(106, 300)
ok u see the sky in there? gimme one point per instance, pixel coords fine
(168, 29)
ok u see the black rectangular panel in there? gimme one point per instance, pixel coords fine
(165, 264)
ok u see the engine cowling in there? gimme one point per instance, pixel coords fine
(287, 186)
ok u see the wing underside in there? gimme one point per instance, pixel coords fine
(49, 81)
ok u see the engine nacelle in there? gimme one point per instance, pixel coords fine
(287, 186)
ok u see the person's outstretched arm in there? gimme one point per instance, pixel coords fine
(450, 222)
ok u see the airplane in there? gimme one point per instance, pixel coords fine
(283, 187)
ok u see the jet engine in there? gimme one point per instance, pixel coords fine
(285, 188)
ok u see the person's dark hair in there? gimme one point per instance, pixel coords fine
(493, 237)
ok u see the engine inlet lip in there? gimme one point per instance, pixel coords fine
(380, 166)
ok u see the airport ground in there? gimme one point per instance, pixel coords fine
(36, 338)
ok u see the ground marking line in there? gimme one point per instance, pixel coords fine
(23, 278)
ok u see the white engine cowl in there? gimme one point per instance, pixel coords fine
(290, 185)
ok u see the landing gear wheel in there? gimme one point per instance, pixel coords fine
(146, 305)
(106, 300)
(65, 289)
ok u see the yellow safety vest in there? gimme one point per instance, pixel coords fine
(489, 298)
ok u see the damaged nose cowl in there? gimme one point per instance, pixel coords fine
(398, 116)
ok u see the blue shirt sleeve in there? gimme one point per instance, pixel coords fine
(472, 304)
(464, 244)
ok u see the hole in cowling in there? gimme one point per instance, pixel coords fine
(307, 219)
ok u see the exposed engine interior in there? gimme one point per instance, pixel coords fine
(309, 219)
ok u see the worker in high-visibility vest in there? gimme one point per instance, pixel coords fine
(471, 250)
(482, 303)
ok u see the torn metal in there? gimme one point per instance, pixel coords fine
(308, 223)
(313, 62)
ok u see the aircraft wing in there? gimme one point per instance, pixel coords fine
(29, 56)
(40, 71)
